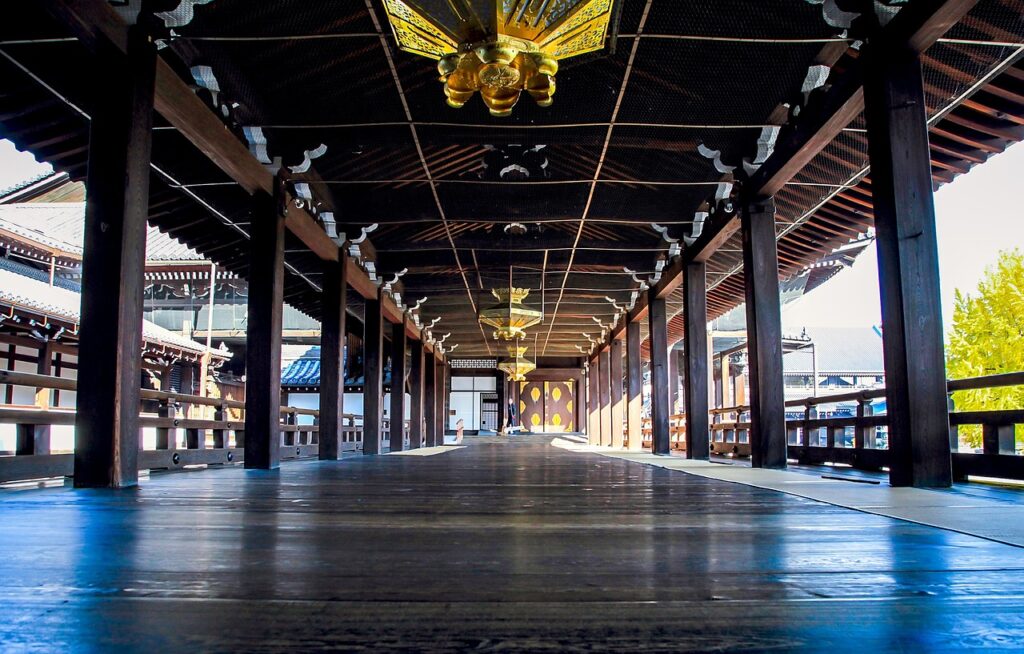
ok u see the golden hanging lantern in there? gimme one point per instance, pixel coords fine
(500, 48)
(509, 317)
(516, 366)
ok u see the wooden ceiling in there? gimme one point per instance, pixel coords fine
(618, 151)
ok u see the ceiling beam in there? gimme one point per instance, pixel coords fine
(555, 241)
(498, 264)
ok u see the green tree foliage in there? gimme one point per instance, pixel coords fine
(988, 338)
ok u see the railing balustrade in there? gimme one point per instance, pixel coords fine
(213, 430)
(676, 432)
(861, 440)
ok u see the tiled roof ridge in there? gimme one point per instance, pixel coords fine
(25, 183)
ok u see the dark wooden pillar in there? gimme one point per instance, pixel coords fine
(673, 381)
(764, 335)
(908, 269)
(604, 394)
(634, 387)
(373, 374)
(117, 205)
(332, 363)
(594, 402)
(441, 397)
(263, 335)
(660, 396)
(416, 394)
(429, 399)
(695, 358)
(616, 393)
(579, 402)
(397, 387)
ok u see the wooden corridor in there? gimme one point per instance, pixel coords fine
(498, 546)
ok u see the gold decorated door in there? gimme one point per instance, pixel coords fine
(547, 406)
(531, 405)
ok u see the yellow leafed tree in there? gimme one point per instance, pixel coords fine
(987, 338)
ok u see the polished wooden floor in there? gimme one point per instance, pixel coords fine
(495, 547)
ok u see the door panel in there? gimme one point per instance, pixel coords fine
(558, 406)
(531, 405)
(547, 407)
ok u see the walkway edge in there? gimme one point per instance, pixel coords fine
(998, 521)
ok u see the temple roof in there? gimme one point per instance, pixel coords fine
(61, 225)
(21, 291)
(303, 373)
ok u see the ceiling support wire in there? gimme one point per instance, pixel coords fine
(423, 160)
(860, 174)
(598, 169)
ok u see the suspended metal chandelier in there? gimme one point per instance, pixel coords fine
(510, 318)
(500, 48)
(516, 366)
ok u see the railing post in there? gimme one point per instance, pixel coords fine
(220, 439)
(673, 381)
(998, 439)
(290, 436)
(864, 438)
(167, 437)
(954, 430)
(32, 439)
(194, 438)
(810, 413)
(117, 206)
(35, 439)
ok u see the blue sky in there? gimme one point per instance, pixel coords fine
(977, 215)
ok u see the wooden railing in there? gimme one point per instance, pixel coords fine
(214, 430)
(676, 432)
(999, 457)
(861, 440)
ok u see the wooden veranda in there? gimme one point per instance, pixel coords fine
(707, 151)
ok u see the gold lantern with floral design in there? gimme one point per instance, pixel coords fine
(499, 48)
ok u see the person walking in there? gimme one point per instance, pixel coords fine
(512, 424)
